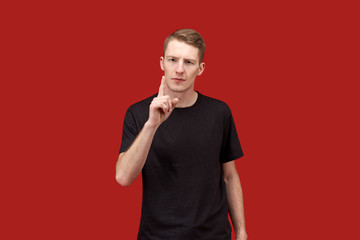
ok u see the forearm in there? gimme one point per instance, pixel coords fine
(236, 203)
(131, 162)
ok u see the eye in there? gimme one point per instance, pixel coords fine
(171, 60)
(189, 62)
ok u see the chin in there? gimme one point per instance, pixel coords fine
(179, 88)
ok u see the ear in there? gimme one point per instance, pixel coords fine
(162, 63)
(201, 68)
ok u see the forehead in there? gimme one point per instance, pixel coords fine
(180, 49)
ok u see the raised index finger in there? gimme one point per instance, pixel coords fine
(162, 87)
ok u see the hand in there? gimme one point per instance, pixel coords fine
(161, 106)
(241, 235)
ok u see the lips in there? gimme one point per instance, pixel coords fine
(178, 79)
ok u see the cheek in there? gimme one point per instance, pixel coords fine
(193, 73)
(167, 67)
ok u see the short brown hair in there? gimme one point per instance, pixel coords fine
(189, 36)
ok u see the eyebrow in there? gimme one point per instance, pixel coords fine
(188, 59)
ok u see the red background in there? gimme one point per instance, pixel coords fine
(288, 70)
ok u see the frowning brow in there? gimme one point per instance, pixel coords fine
(186, 59)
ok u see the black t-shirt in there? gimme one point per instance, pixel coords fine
(184, 195)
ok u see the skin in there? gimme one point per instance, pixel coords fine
(181, 66)
(235, 199)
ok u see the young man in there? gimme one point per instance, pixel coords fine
(184, 143)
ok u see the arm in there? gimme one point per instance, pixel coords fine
(235, 199)
(131, 162)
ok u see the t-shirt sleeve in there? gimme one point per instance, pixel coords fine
(129, 131)
(231, 148)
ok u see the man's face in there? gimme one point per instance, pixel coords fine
(181, 66)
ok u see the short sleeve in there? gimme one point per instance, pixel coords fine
(231, 148)
(129, 131)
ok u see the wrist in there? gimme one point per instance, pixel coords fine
(240, 229)
(241, 234)
(151, 126)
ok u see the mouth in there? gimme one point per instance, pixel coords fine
(178, 79)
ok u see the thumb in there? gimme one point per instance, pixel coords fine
(174, 102)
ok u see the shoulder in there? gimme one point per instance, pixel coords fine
(141, 108)
(216, 105)
(141, 105)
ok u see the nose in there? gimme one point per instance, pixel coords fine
(180, 67)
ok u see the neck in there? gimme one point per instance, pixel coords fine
(186, 99)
